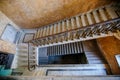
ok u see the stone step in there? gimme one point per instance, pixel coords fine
(82, 72)
(22, 55)
(96, 61)
(108, 77)
(94, 58)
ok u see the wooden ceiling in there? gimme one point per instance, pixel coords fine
(37, 13)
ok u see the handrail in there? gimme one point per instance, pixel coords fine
(101, 27)
(30, 67)
(89, 26)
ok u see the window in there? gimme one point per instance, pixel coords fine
(118, 59)
(9, 34)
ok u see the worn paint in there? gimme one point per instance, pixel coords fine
(37, 13)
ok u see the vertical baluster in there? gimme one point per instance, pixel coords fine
(50, 51)
(72, 48)
(68, 25)
(54, 30)
(63, 49)
(78, 22)
(47, 30)
(73, 23)
(59, 27)
(55, 26)
(35, 36)
(54, 50)
(90, 18)
(63, 26)
(44, 31)
(82, 48)
(60, 47)
(96, 16)
(79, 44)
(58, 50)
(84, 20)
(75, 47)
(41, 32)
(51, 30)
(103, 14)
(67, 49)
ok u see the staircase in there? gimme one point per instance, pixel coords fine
(63, 38)
(25, 56)
(69, 70)
(92, 52)
(101, 22)
(94, 58)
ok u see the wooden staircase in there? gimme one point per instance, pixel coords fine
(101, 22)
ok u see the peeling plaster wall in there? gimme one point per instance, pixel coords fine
(6, 46)
(4, 20)
(37, 13)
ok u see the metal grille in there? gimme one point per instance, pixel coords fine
(6, 59)
(65, 49)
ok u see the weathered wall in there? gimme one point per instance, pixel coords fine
(4, 20)
(110, 46)
(4, 45)
(36, 13)
(7, 47)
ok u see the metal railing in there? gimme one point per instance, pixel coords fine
(31, 58)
